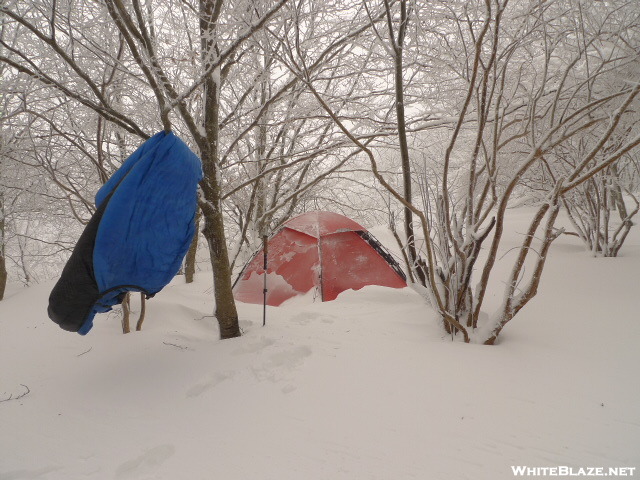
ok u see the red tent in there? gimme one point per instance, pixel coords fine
(317, 249)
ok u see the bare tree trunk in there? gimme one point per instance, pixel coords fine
(126, 311)
(397, 44)
(211, 206)
(3, 265)
(226, 312)
(3, 276)
(214, 233)
(401, 246)
(190, 260)
(616, 193)
(143, 309)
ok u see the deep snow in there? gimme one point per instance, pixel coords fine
(365, 387)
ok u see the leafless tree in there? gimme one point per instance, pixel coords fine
(602, 208)
(153, 52)
(458, 108)
(518, 93)
(3, 262)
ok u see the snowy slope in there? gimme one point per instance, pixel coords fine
(365, 387)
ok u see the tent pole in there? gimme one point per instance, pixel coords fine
(264, 290)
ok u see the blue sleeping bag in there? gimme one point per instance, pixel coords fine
(138, 236)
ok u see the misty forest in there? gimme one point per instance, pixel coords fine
(492, 147)
(433, 118)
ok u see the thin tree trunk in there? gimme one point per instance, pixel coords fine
(402, 138)
(261, 187)
(3, 265)
(143, 309)
(616, 193)
(126, 311)
(212, 214)
(3, 273)
(190, 260)
(213, 231)
(410, 267)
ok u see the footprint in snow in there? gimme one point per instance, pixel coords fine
(290, 358)
(28, 474)
(276, 367)
(308, 317)
(209, 383)
(145, 463)
(254, 346)
(288, 389)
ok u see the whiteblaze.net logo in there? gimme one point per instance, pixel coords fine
(564, 471)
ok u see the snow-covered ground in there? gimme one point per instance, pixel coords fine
(365, 387)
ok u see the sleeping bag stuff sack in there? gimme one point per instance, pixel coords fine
(138, 236)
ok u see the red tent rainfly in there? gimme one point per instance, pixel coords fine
(321, 250)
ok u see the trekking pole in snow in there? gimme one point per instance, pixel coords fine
(264, 290)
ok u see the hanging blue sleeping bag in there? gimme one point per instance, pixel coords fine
(138, 236)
